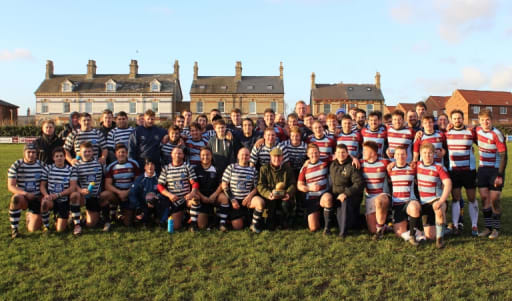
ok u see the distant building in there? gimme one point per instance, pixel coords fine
(472, 101)
(251, 94)
(436, 105)
(406, 106)
(327, 98)
(60, 94)
(28, 119)
(8, 113)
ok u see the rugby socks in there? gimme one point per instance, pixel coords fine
(439, 230)
(14, 218)
(473, 213)
(222, 213)
(380, 227)
(257, 218)
(496, 223)
(194, 212)
(413, 224)
(327, 217)
(45, 216)
(75, 214)
(113, 211)
(455, 213)
(106, 213)
(487, 218)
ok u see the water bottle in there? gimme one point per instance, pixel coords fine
(170, 225)
(90, 187)
(78, 156)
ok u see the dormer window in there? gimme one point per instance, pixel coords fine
(250, 87)
(350, 88)
(110, 86)
(67, 86)
(223, 87)
(368, 89)
(202, 86)
(269, 87)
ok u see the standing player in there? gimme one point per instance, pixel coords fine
(326, 145)
(175, 140)
(269, 117)
(194, 144)
(430, 135)
(351, 138)
(296, 149)
(332, 126)
(376, 133)
(399, 135)
(491, 172)
(120, 134)
(260, 154)
(86, 134)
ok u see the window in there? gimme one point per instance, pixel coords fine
(252, 107)
(489, 108)
(476, 109)
(327, 108)
(369, 108)
(202, 87)
(273, 106)
(220, 106)
(250, 87)
(111, 87)
(269, 87)
(350, 88)
(223, 87)
(66, 87)
(434, 113)
(133, 107)
(155, 87)
(503, 110)
(353, 105)
(44, 107)
(110, 106)
(368, 89)
(154, 106)
(66, 108)
(199, 107)
(88, 107)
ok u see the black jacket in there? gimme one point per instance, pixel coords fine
(345, 178)
(45, 146)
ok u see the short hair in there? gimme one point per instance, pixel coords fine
(342, 146)
(346, 117)
(428, 145)
(107, 112)
(371, 145)
(140, 115)
(215, 110)
(485, 113)
(309, 115)
(317, 121)
(388, 116)
(120, 146)
(48, 121)
(295, 129)
(312, 145)
(219, 121)
(269, 129)
(402, 147)
(292, 115)
(398, 113)
(179, 117)
(421, 104)
(85, 115)
(300, 102)
(374, 114)
(58, 149)
(185, 110)
(379, 113)
(236, 110)
(331, 116)
(174, 128)
(443, 114)
(428, 117)
(457, 111)
(411, 111)
(268, 110)
(149, 112)
(148, 160)
(248, 120)
(360, 111)
(195, 125)
(202, 116)
(216, 117)
(206, 148)
(86, 144)
(122, 114)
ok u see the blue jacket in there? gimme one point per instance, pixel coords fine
(140, 187)
(145, 143)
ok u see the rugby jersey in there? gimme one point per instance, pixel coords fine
(28, 176)
(119, 135)
(59, 179)
(241, 179)
(352, 141)
(280, 133)
(460, 149)
(402, 137)
(378, 137)
(315, 174)
(208, 134)
(375, 176)
(123, 174)
(185, 132)
(193, 149)
(261, 155)
(326, 146)
(177, 180)
(489, 145)
(331, 134)
(166, 150)
(297, 155)
(77, 137)
(87, 172)
(437, 138)
(402, 180)
(430, 177)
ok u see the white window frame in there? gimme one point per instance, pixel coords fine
(88, 107)
(476, 109)
(154, 106)
(66, 105)
(489, 108)
(155, 87)
(44, 107)
(434, 113)
(199, 107)
(353, 105)
(110, 106)
(503, 110)
(110, 86)
(133, 105)
(273, 106)
(252, 107)
(368, 106)
(328, 107)
(221, 106)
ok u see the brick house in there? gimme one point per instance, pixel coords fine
(406, 106)
(8, 113)
(436, 105)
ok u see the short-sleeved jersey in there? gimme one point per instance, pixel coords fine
(185, 132)
(177, 179)
(375, 176)
(241, 179)
(430, 177)
(208, 179)
(460, 149)
(193, 149)
(77, 137)
(87, 172)
(261, 155)
(331, 134)
(352, 141)
(118, 135)
(402, 137)
(123, 174)
(59, 179)
(297, 155)
(326, 146)
(315, 174)
(28, 176)
(437, 139)
(402, 182)
(208, 134)
(378, 137)
(166, 150)
(489, 145)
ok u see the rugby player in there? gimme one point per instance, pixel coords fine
(376, 133)
(86, 134)
(399, 135)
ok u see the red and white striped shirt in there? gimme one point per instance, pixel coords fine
(326, 146)
(375, 176)
(460, 149)
(378, 137)
(489, 145)
(401, 137)
(430, 177)
(402, 180)
(437, 138)
(352, 141)
(315, 174)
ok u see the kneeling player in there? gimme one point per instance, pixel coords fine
(24, 178)
(144, 194)
(209, 184)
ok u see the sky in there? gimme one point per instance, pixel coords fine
(421, 48)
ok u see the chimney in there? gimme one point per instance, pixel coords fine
(134, 69)
(377, 80)
(91, 69)
(49, 69)
(196, 70)
(176, 70)
(238, 71)
(281, 71)
(28, 111)
(312, 80)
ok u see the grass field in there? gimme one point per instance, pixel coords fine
(150, 264)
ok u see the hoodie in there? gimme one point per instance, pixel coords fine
(223, 151)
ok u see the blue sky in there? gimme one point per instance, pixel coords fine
(421, 48)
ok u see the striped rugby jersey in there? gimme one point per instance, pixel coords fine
(177, 179)
(59, 179)
(489, 145)
(194, 149)
(331, 134)
(315, 174)
(375, 176)
(460, 149)
(208, 134)
(241, 179)
(119, 135)
(166, 150)
(438, 139)
(123, 174)
(94, 136)
(402, 137)
(28, 176)
(352, 141)
(261, 155)
(326, 146)
(430, 177)
(87, 172)
(378, 137)
(402, 181)
(185, 132)
(296, 154)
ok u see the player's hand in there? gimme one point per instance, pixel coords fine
(388, 153)
(449, 126)
(342, 197)
(272, 197)
(123, 195)
(235, 204)
(390, 166)
(286, 197)
(437, 205)
(498, 181)
(259, 142)
(173, 197)
(418, 135)
(84, 191)
(229, 135)
(413, 164)
(246, 201)
(74, 162)
(165, 139)
(356, 163)
(102, 160)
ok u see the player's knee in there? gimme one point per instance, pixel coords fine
(16, 201)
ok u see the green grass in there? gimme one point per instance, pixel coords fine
(150, 264)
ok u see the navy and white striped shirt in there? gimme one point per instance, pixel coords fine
(123, 174)
(177, 179)
(297, 155)
(87, 172)
(208, 134)
(261, 155)
(28, 176)
(193, 150)
(166, 150)
(119, 135)
(77, 137)
(59, 179)
(241, 179)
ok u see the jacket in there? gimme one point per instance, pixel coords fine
(45, 146)
(223, 151)
(145, 143)
(270, 176)
(142, 186)
(345, 178)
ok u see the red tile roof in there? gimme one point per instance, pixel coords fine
(439, 100)
(496, 98)
(406, 106)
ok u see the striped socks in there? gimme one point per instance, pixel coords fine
(75, 214)
(194, 212)
(488, 221)
(496, 223)
(257, 217)
(14, 218)
(46, 219)
(222, 213)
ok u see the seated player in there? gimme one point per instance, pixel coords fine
(209, 186)
(59, 182)
(144, 194)
(23, 181)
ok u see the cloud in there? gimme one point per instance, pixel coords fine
(18, 54)
(473, 77)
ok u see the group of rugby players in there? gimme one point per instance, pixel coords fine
(404, 165)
